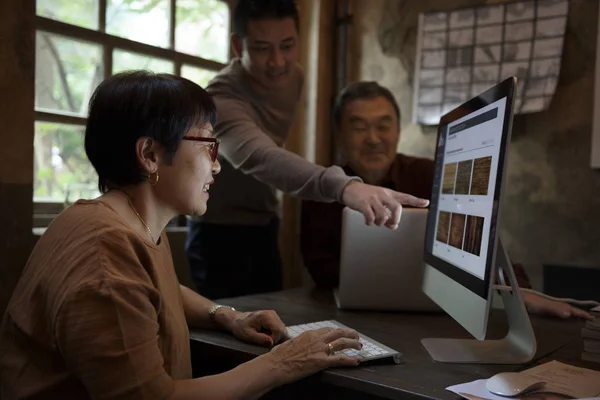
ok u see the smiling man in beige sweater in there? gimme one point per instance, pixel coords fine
(233, 249)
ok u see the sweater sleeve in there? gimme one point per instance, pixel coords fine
(247, 148)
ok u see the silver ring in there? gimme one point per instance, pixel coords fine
(331, 349)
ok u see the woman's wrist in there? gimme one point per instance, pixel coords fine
(270, 369)
(225, 317)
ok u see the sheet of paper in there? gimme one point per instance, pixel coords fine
(596, 309)
(476, 391)
(579, 383)
(567, 379)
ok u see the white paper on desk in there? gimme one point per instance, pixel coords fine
(474, 391)
(561, 378)
(566, 379)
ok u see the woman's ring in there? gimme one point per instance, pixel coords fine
(331, 349)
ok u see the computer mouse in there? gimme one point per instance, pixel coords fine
(510, 384)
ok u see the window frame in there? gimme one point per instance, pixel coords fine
(45, 210)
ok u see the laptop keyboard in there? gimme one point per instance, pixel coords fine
(372, 350)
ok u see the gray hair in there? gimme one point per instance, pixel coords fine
(360, 91)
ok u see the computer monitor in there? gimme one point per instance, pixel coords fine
(463, 255)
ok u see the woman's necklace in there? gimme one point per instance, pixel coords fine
(137, 214)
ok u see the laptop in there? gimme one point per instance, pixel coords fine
(382, 269)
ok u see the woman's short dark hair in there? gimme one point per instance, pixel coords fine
(135, 104)
(250, 10)
(361, 91)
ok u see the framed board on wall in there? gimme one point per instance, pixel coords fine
(465, 51)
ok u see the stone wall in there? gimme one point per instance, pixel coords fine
(551, 212)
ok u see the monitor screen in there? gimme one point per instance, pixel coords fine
(462, 220)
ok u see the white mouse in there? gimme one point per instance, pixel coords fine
(510, 384)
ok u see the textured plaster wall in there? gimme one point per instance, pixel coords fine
(551, 212)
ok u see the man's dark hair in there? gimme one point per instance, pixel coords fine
(361, 91)
(135, 104)
(249, 10)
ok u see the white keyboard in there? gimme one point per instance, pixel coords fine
(372, 350)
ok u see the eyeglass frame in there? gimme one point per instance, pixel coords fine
(213, 142)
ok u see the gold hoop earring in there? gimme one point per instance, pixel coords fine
(153, 180)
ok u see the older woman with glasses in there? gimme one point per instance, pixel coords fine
(98, 312)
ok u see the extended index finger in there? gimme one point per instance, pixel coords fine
(410, 200)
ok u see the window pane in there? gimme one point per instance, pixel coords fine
(62, 171)
(81, 12)
(202, 29)
(197, 75)
(125, 60)
(145, 21)
(66, 72)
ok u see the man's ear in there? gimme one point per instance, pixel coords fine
(237, 45)
(147, 154)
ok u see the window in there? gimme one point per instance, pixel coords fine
(80, 43)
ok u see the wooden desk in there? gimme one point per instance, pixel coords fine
(418, 378)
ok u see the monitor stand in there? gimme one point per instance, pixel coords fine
(517, 347)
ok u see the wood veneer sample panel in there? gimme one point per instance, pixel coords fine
(443, 228)
(463, 177)
(449, 178)
(457, 230)
(473, 235)
(481, 176)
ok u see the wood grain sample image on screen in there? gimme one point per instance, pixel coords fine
(443, 228)
(481, 175)
(473, 235)
(463, 177)
(457, 230)
(449, 178)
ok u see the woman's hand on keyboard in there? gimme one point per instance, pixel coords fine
(260, 327)
(310, 352)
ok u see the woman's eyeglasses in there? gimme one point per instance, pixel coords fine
(213, 145)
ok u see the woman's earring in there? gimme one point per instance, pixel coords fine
(153, 178)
